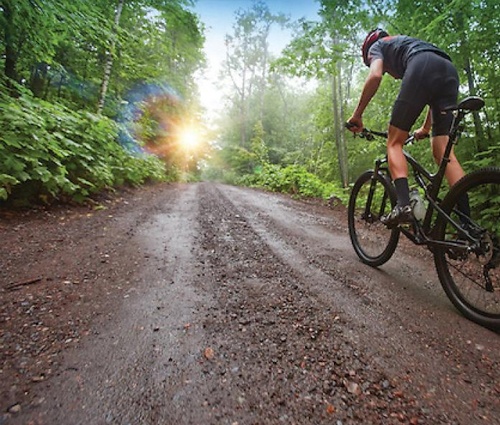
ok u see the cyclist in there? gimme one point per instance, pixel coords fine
(428, 78)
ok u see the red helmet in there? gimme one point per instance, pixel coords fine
(371, 38)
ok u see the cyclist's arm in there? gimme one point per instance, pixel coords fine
(371, 86)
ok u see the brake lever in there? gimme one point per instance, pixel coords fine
(363, 134)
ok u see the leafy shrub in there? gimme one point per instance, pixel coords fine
(49, 151)
(295, 180)
(488, 158)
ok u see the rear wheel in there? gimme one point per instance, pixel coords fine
(372, 196)
(470, 271)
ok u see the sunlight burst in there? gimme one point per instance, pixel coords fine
(189, 138)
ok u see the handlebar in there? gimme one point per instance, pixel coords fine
(366, 133)
(369, 135)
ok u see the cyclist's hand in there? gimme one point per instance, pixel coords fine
(421, 133)
(354, 124)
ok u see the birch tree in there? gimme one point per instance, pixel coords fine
(109, 57)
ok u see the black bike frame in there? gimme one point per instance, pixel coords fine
(431, 185)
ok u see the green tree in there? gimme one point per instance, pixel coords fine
(32, 31)
(63, 51)
(324, 50)
(258, 145)
(109, 58)
(247, 60)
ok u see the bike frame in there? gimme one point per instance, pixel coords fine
(431, 185)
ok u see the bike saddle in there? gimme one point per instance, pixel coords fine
(471, 103)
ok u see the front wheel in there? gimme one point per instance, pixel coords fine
(372, 196)
(470, 272)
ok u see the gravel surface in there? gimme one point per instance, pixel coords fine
(211, 304)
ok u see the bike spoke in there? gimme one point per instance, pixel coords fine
(468, 277)
(471, 276)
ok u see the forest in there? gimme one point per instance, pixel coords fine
(98, 95)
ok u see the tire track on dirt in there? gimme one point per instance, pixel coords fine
(137, 367)
(287, 352)
(236, 306)
(445, 369)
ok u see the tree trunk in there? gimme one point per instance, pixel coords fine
(39, 77)
(10, 63)
(339, 133)
(342, 139)
(473, 92)
(265, 58)
(243, 115)
(109, 59)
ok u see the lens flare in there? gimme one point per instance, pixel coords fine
(155, 120)
(147, 106)
(189, 138)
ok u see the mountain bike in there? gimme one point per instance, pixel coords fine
(466, 248)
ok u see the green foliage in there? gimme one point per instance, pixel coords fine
(295, 180)
(484, 203)
(487, 158)
(49, 151)
(59, 48)
(158, 41)
(73, 55)
(258, 145)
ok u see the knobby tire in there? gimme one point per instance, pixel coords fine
(373, 242)
(471, 279)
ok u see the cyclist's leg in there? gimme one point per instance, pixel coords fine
(444, 86)
(454, 171)
(409, 104)
(446, 89)
(397, 161)
(412, 98)
(453, 174)
(398, 166)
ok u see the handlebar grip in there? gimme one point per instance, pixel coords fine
(365, 133)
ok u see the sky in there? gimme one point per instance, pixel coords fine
(219, 16)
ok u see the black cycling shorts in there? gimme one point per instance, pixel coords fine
(430, 80)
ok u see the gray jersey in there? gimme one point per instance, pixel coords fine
(397, 50)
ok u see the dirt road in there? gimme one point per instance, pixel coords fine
(211, 304)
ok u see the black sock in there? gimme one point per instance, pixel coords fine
(402, 191)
